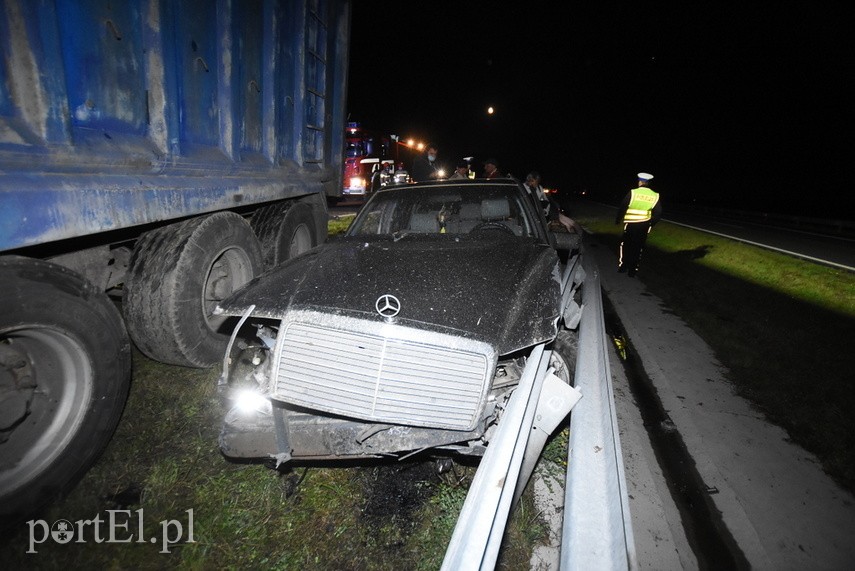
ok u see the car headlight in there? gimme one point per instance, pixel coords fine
(249, 401)
(357, 182)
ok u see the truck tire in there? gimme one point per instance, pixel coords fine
(176, 277)
(65, 366)
(285, 230)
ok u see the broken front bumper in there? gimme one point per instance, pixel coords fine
(274, 431)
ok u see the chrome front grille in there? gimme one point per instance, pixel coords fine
(423, 379)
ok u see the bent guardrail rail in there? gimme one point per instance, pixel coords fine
(481, 524)
(597, 532)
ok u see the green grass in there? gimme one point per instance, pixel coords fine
(249, 516)
(822, 286)
(339, 224)
(783, 327)
(164, 459)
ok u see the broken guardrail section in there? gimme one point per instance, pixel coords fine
(597, 530)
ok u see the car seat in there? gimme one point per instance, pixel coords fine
(468, 216)
(424, 223)
(498, 210)
(495, 209)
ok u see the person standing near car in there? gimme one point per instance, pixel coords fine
(550, 206)
(461, 171)
(425, 167)
(491, 169)
(639, 211)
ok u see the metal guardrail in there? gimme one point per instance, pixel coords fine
(594, 536)
(597, 530)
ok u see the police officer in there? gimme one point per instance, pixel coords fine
(639, 211)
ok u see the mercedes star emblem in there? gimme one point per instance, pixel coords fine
(388, 305)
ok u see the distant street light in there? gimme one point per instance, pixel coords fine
(490, 110)
(410, 144)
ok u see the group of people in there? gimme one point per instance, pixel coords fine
(425, 167)
(639, 210)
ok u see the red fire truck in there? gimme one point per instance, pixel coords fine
(366, 153)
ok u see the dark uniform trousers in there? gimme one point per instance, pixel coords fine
(634, 238)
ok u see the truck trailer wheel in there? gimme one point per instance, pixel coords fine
(285, 230)
(176, 277)
(65, 365)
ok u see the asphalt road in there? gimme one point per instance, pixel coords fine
(346, 207)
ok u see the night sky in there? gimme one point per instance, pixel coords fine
(733, 104)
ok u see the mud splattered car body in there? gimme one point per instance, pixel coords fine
(408, 333)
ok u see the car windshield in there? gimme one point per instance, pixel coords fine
(355, 149)
(477, 208)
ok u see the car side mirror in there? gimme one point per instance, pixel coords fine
(567, 241)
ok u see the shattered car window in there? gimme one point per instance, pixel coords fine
(471, 209)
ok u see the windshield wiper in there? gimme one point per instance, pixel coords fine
(400, 234)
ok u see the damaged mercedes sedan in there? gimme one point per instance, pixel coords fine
(408, 334)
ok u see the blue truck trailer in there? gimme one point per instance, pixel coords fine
(155, 155)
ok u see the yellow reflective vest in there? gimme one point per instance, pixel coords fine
(641, 205)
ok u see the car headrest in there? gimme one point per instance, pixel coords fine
(495, 209)
(424, 222)
(469, 211)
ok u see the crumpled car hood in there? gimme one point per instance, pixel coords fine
(503, 292)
